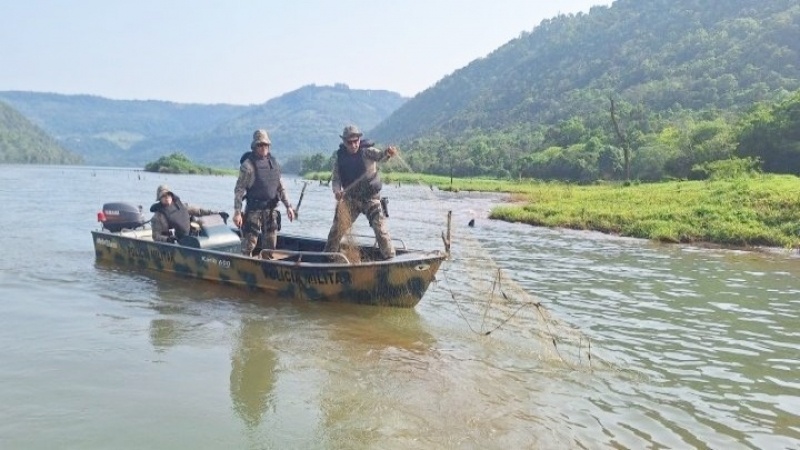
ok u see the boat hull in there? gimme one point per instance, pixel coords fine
(400, 282)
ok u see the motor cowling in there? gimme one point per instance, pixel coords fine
(117, 216)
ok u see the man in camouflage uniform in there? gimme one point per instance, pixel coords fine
(357, 183)
(260, 184)
(171, 218)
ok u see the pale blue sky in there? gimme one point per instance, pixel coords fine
(247, 52)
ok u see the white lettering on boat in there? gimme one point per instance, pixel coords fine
(107, 243)
(222, 263)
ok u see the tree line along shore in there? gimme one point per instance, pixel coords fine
(735, 206)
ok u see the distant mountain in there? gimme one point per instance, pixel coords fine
(666, 57)
(133, 132)
(104, 131)
(302, 122)
(22, 142)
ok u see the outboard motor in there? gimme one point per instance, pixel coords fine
(117, 216)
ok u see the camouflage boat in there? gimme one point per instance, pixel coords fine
(297, 269)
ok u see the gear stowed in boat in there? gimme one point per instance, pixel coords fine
(297, 269)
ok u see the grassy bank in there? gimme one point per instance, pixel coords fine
(762, 210)
(444, 183)
(757, 211)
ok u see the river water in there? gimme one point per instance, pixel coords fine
(634, 344)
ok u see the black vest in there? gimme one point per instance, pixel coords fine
(263, 194)
(351, 168)
(176, 214)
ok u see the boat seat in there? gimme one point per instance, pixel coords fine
(275, 255)
(211, 232)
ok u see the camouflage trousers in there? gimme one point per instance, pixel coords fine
(353, 208)
(264, 223)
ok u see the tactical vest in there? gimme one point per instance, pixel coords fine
(263, 194)
(352, 168)
(176, 214)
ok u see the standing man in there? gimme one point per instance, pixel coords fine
(260, 184)
(356, 185)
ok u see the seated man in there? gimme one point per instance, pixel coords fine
(169, 213)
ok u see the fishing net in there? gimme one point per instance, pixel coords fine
(491, 303)
(349, 244)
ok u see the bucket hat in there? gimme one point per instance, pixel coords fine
(260, 137)
(349, 132)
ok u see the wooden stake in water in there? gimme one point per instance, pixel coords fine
(299, 202)
(446, 239)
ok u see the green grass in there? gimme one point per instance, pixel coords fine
(758, 211)
(762, 210)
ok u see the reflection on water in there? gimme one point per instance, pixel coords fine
(253, 364)
(265, 348)
(379, 328)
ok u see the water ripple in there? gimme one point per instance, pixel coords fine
(530, 338)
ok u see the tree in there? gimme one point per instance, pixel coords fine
(771, 133)
(315, 163)
(623, 140)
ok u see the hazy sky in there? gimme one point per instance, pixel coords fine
(247, 52)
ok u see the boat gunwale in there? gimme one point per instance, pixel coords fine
(408, 256)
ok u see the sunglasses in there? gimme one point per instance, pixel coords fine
(353, 141)
(262, 145)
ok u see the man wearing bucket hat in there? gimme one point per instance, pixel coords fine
(171, 218)
(260, 185)
(356, 185)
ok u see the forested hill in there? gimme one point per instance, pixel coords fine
(311, 116)
(22, 142)
(84, 115)
(300, 122)
(103, 131)
(133, 132)
(664, 57)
